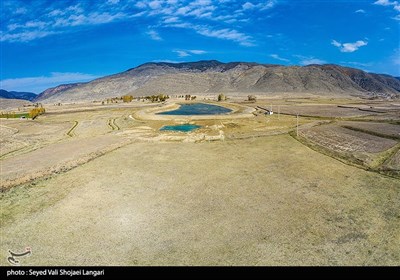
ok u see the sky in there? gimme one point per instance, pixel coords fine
(44, 43)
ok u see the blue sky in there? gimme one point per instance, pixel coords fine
(47, 43)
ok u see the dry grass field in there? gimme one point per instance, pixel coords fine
(317, 110)
(352, 144)
(379, 129)
(86, 184)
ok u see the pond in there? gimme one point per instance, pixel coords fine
(197, 109)
(180, 127)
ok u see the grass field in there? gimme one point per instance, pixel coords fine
(14, 116)
(92, 185)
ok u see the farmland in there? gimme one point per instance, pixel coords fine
(92, 184)
(357, 146)
(379, 129)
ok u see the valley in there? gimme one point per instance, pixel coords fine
(93, 184)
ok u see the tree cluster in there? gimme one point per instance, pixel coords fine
(157, 98)
(221, 97)
(33, 113)
(127, 98)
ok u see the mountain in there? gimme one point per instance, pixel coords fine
(10, 104)
(17, 95)
(235, 78)
(54, 90)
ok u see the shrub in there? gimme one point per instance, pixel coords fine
(127, 98)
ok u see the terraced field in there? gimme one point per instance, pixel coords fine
(377, 128)
(352, 145)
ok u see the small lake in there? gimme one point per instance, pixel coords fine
(180, 127)
(197, 109)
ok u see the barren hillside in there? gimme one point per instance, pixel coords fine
(204, 77)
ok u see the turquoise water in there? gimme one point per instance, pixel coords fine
(197, 109)
(180, 127)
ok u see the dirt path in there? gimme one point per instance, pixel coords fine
(111, 123)
(70, 132)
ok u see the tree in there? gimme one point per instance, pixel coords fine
(127, 98)
(251, 98)
(33, 113)
(221, 97)
(162, 97)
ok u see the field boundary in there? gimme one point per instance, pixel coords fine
(392, 137)
(347, 158)
(58, 169)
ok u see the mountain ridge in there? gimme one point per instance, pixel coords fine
(212, 76)
(17, 95)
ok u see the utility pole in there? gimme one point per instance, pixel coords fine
(297, 127)
(279, 111)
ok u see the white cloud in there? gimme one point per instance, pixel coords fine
(201, 12)
(33, 24)
(349, 47)
(226, 34)
(75, 9)
(384, 3)
(181, 25)
(248, 6)
(312, 61)
(184, 53)
(141, 4)
(154, 35)
(90, 19)
(205, 17)
(112, 2)
(24, 36)
(395, 4)
(260, 6)
(270, 4)
(13, 26)
(55, 13)
(183, 10)
(336, 43)
(200, 3)
(41, 83)
(171, 19)
(307, 60)
(155, 4)
(230, 21)
(197, 51)
(360, 11)
(20, 11)
(277, 57)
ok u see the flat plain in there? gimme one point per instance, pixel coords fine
(91, 184)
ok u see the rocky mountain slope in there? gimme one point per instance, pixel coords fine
(17, 95)
(54, 90)
(236, 78)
